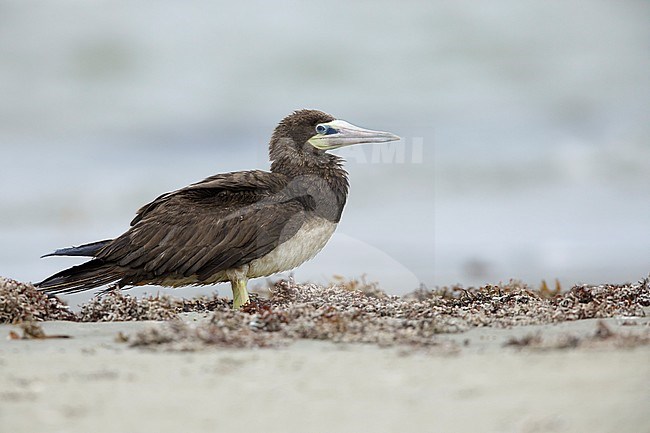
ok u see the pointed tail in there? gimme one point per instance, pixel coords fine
(82, 277)
(86, 250)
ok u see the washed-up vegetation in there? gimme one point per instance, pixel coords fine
(364, 314)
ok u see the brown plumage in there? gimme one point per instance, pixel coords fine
(228, 227)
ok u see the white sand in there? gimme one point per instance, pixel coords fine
(91, 383)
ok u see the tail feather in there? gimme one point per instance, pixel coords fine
(89, 275)
(86, 250)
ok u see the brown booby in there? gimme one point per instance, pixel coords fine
(233, 226)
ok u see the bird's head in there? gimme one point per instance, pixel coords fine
(310, 133)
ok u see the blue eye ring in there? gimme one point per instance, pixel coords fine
(325, 129)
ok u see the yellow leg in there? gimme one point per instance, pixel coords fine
(239, 293)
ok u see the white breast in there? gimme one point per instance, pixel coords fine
(303, 246)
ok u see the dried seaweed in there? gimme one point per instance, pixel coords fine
(228, 329)
(33, 331)
(20, 302)
(118, 307)
(603, 337)
(308, 311)
(337, 313)
(515, 303)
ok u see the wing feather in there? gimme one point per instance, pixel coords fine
(220, 223)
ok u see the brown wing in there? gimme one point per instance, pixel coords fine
(220, 223)
(255, 184)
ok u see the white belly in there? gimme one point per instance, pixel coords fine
(303, 246)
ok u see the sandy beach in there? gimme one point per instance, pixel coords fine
(326, 359)
(469, 383)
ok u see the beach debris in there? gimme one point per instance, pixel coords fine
(337, 314)
(514, 303)
(360, 312)
(603, 336)
(20, 302)
(116, 306)
(361, 284)
(525, 341)
(228, 329)
(32, 331)
(545, 292)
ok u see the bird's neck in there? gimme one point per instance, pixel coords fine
(321, 182)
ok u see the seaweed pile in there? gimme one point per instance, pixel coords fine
(20, 302)
(604, 336)
(308, 311)
(516, 304)
(118, 307)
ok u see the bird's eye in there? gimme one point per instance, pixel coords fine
(324, 129)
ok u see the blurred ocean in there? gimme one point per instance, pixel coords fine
(525, 125)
